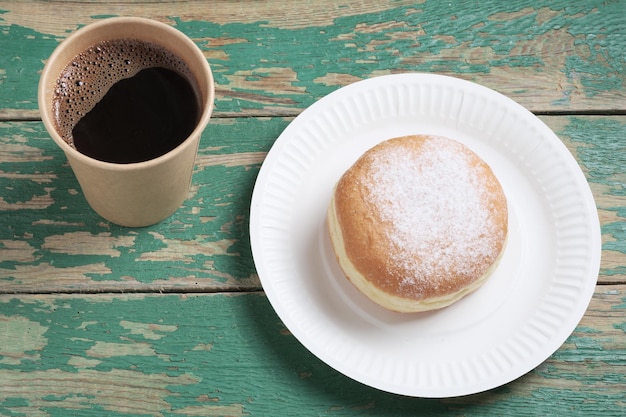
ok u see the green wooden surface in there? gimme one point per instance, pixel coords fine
(273, 59)
(48, 226)
(171, 320)
(204, 355)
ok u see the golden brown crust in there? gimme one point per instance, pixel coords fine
(417, 222)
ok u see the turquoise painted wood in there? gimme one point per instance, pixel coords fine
(48, 227)
(273, 60)
(229, 355)
(50, 240)
(171, 320)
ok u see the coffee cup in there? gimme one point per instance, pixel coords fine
(123, 185)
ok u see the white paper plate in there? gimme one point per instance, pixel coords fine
(524, 312)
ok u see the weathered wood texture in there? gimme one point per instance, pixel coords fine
(96, 350)
(276, 58)
(229, 355)
(51, 241)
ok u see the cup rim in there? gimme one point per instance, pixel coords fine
(47, 79)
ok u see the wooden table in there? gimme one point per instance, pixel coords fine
(171, 320)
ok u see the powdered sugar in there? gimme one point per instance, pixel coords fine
(439, 223)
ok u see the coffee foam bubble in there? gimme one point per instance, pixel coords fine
(90, 75)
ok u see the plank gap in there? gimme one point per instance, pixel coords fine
(145, 290)
(9, 115)
(185, 290)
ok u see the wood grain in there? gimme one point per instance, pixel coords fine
(164, 355)
(51, 241)
(275, 58)
(171, 320)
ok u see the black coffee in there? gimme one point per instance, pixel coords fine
(126, 101)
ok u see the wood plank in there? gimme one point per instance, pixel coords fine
(275, 59)
(165, 355)
(51, 241)
(599, 145)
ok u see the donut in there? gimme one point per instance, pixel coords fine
(418, 222)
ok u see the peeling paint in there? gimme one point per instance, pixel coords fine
(22, 340)
(228, 354)
(85, 243)
(149, 331)
(555, 44)
(16, 251)
(231, 354)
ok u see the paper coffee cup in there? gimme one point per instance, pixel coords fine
(142, 193)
